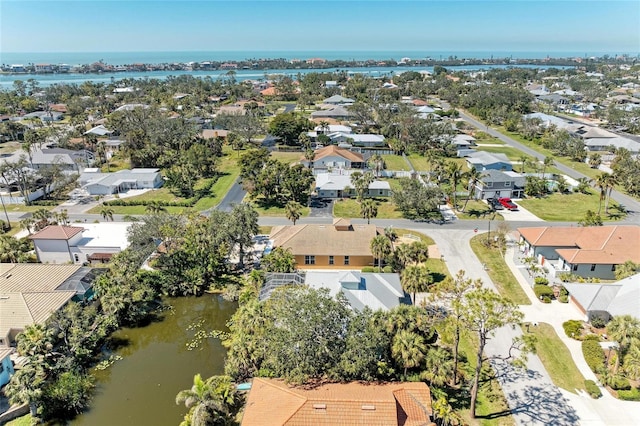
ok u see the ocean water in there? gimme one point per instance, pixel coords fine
(123, 58)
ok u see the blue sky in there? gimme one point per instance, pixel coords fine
(156, 25)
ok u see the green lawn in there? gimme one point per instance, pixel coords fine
(556, 358)
(21, 421)
(287, 157)
(477, 210)
(276, 211)
(513, 153)
(568, 207)
(395, 162)
(24, 208)
(351, 208)
(498, 271)
(491, 407)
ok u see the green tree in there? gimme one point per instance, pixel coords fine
(376, 162)
(438, 367)
(210, 401)
(293, 211)
(408, 349)
(279, 260)
(632, 361)
(625, 330)
(454, 172)
(591, 219)
(155, 207)
(368, 209)
(288, 127)
(106, 213)
(547, 162)
(242, 226)
(25, 387)
(67, 395)
(473, 177)
(416, 279)
(484, 312)
(381, 247)
(627, 269)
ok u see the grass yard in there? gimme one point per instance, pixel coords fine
(513, 153)
(351, 208)
(23, 208)
(437, 267)
(498, 271)
(273, 210)
(568, 207)
(491, 407)
(287, 157)
(21, 421)
(395, 162)
(265, 230)
(556, 358)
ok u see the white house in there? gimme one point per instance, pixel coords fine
(97, 183)
(356, 139)
(334, 185)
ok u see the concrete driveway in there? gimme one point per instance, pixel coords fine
(521, 214)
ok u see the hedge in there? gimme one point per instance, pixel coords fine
(629, 395)
(592, 389)
(620, 383)
(572, 328)
(543, 290)
(593, 354)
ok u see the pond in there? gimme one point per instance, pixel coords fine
(140, 388)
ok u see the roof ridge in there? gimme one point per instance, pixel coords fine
(288, 390)
(412, 396)
(606, 241)
(26, 305)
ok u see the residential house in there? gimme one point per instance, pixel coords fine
(131, 107)
(214, 133)
(30, 293)
(99, 130)
(47, 116)
(358, 139)
(272, 402)
(337, 246)
(6, 366)
(338, 112)
(463, 144)
(496, 184)
(483, 161)
(338, 185)
(98, 183)
(89, 243)
(376, 291)
(338, 100)
(588, 252)
(607, 300)
(333, 157)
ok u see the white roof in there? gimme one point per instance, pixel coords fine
(482, 157)
(98, 131)
(333, 181)
(620, 298)
(334, 128)
(105, 234)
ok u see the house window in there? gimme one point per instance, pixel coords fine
(331, 260)
(488, 184)
(75, 256)
(613, 268)
(574, 268)
(346, 260)
(507, 184)
(593, 267)
(309, 260)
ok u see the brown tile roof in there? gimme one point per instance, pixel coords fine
(273, 402)
(56, 232)
(333, 150)
(214, 133)
(324, 240)
(609, 245)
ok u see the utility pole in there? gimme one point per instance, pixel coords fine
(489, 234)
(5, 213)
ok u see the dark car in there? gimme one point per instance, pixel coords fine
(507, 203)
(494, 204)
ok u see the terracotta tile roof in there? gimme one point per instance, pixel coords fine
(333, 150)
(325, 240)
(56, 232)
(597, 244)
(272, 402)
(270, 91)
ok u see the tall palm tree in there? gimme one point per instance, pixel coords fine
(632, 362)
(293, 211)
(609, 183)
(409, 349)
(25, 387)
(523, 162)
(625, 330)
(548, 161)
(154, 207)
(368, 209)
(601, 183)
(107, 213)
(376, 162)
(26, 224)
(381, 247)
(35, 340)
(415, 279)
(454, 172)
(473, 176)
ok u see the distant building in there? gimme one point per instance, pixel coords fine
(98, 183)
(338, 185)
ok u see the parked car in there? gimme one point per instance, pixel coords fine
(494, 204)
(507, 203)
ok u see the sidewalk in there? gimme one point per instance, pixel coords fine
(604, 411)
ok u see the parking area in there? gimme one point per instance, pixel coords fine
(321, 207)
(521, 214)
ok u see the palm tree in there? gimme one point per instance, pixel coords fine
(368, 209)
(625, 330)
(26, 224)
(209, 401)
(626, 269)
(548, 161)
(154, 207)
(381, 247)
(632, 362)
(310, 155)
(439, 367)
(293, 211)
(376, 162)
(454, 172)
(25, 387)
(107, 213)
(36, 340)
(609, 183)
(415, 279)
(419, 251)
(601, 183)
(523, 162)
(473, 175)
(583, 185)
(408, 348)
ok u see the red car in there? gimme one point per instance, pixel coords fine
(507, 203)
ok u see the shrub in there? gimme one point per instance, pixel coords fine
(367, 269)
(563, 299)
(546, 299)
(563, 291)
(572, 328)
(387, 269)
(592, 389)
(598, 322)
(541, 281)
(619, 383)
(542, 290)
(593, 354)
(629, 395)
